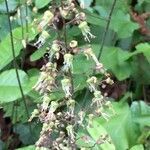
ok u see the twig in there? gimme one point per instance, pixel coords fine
(106, 29)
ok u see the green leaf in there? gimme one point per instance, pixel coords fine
(122, 24)
(23, 130)
(96, 131)
(19, 107)
(140, 67)
(137, 147)
(120, 20)
(40, 4)
(79, 81)
(31, 147)
(4, 27)
(82, 65)
(143, 48)
(9, 88)
(94, 19)
(121, 125)
(12, 5)
(5, 46)
(141, 113)
(115, 59)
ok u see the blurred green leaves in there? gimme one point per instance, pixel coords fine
(40, 4)
(5, 46)
(9, 88)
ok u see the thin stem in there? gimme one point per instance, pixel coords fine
(15, 62)
(22, 29)
(144, 94)
(72, 143)
(27, 27)
(21, 19)
(106, 29)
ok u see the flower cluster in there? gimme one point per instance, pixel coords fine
(59, 117)
(99, 101)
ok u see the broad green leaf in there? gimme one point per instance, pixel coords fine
(84, 140)
(115, 59)
(141, 113)
(96, 131)
(122, 24)
(2, 144)
(31, 147)
(143, 48)
(137, 147)
(38, 53)
(140, 70)
(107, 4)
(95, 19)
(120, 21)
(12, 5)
(9, 88)
(121, 125)
(82, 65)
(142, 1)
(24, 133)
(4, 27)
(40, 3)
(19, 107)
(79, 81)
(5, 46)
